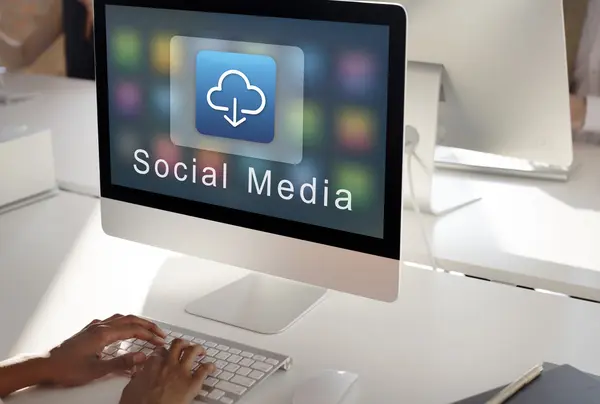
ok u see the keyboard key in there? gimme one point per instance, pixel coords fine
(231, 388)
(235, 351)
(139, 342)
(147, 351)
(135, 348)
(209, 344)
(256, 375)
(222, 347)
(203, 393)
(187, 338)
(234, 359)
(232, 367)
(199, 341)
(216, 394)
(211, 352)
(259, 358)
(220, 364)
(244, 371)
(150, 346)
(246, 362)
(222, 355)
(263, 367)
(110, 350)
(272, 362)
(169, 339)
(216, 373)
(244, 381)
(227, 400)
(176, 334)
(121, 352)
(210, 382)
(226, 376)
(208, 359)
(246, 354)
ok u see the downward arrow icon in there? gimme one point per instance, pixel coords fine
(234, 122)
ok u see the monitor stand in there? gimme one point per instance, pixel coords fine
(259, 303)
(433, 193)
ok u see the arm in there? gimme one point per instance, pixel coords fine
(19, 375)
(77, 360)
(585, 114)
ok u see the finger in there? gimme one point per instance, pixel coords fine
(190, 354)
(113, 317)
(110, 334)
(155, 361)
(93, 322)
(177, 347)
(120, 364)
(149, 325)
(202, 373)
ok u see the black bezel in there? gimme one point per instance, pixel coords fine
(392, 16)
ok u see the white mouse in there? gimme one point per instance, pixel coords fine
(329, 387)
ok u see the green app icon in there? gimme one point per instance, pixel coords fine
(357, 179)
(127, 48)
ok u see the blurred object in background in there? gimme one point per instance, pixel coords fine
(29, 29)
(79, 45)
(582, 24)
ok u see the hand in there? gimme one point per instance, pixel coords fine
(578, 112)
(77, 361)
(167, 377)
(89, 23)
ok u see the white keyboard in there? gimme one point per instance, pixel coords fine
(240, 368)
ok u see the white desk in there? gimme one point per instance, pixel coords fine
(446, 337)
(538, 234)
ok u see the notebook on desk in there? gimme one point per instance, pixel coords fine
(557, 385)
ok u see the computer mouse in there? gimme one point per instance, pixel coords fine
(328, 387)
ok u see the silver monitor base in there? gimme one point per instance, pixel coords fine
(466, 160)
(259, 303)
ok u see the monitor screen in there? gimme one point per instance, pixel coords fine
(274, 116)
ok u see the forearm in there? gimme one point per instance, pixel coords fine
(19, 375)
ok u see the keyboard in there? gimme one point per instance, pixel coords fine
(239, 368)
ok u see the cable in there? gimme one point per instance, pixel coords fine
(411, 152)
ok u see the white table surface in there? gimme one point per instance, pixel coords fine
(447, 337)
(533, 233)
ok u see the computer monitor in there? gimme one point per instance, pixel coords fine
(506, 64)
(265, 135)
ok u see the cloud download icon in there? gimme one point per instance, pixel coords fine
(219, 87)
(235, 96)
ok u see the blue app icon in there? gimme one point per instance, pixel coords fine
(235, 96)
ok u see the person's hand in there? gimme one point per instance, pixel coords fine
(89, 23)
(578, 112)
(168, 376)
(77, 361)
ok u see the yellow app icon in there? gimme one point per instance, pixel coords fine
(162, 56)
(355, 128)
